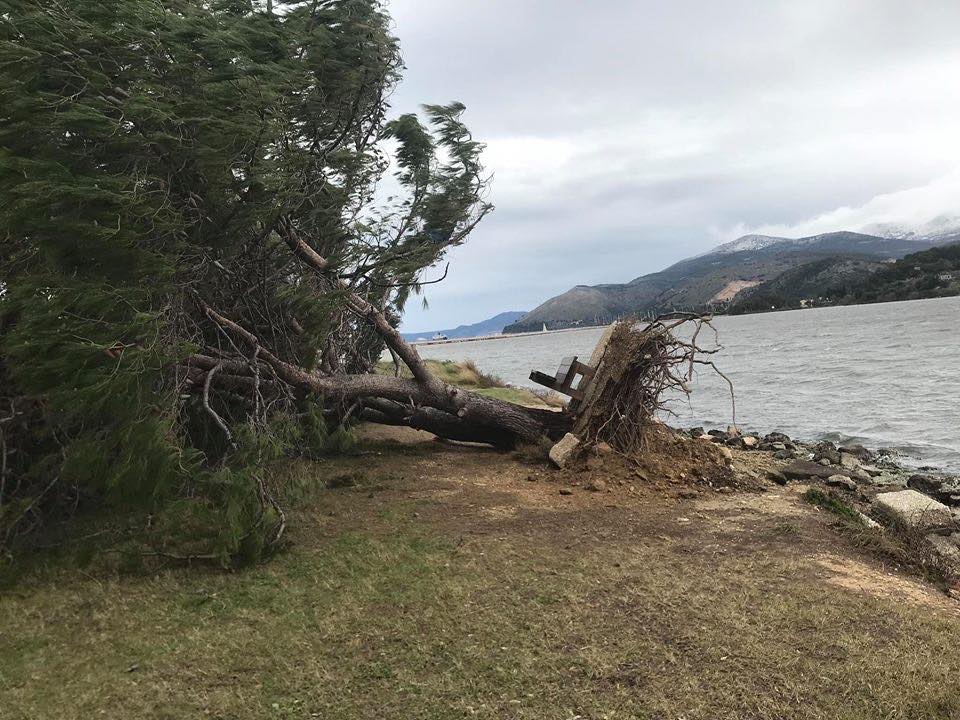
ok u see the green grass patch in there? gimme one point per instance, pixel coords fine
(831, 503)
(467, 375)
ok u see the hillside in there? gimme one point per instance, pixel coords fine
(491, 326)
(843, 281)
(932, 273)
(818, 282)
(715, 277)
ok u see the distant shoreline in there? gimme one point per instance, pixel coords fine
(503, 336)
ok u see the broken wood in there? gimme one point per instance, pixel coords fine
(570, 370)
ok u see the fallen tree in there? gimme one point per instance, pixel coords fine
(200, 263)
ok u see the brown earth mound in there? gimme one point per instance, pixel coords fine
(669, 461)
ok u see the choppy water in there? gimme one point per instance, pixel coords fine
(884, 375)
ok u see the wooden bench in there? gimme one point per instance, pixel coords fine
(563, 381)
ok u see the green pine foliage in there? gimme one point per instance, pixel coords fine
(153, 152)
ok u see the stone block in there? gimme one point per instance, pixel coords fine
(565, 450)
(914, 509)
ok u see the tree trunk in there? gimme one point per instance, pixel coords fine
(423, 402)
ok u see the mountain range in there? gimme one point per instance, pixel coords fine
(491, 326)
(714, 279)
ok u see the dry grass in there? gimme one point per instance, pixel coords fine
(466, 374)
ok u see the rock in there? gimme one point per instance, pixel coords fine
(784, 455)
(942, 487)
(913, 509)
(924, 483)
(776, 476)
(825, 462)
(566, 491)
(727, 453)
(735, 441)
(775, 437)
(868, 521)
(946, 548)
(602, 448)
(697, 432)
(596, 485)
(750, 442)
(826, 451)
(733, 431)
(858, 451)
(887, 478)
(859, 474)
(717, 433)
(841, 481)
(565, 450)
(688, 494)
(804, 469)
(849, 461)
(871, 470)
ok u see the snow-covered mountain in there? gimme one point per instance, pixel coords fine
(748, 261)
(747, 243)
(942, 229)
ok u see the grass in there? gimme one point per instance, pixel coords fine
(466, 374)
(830, 502)
(380, 614)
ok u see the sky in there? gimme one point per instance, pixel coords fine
(625, 135)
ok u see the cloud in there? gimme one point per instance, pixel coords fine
(921, 209)
(621, 134)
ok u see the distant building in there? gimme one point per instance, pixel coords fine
(948, 276)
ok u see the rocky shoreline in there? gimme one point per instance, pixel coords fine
(883, 493)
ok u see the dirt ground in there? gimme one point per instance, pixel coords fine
(474, 490)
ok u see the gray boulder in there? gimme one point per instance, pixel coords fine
(857, 451)
(826, 451)
(913, 509)
(849, 461)
(942, 487)
(777, 477)
(805, 470)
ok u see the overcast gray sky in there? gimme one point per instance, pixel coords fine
(625, 135)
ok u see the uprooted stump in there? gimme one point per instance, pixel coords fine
(637, 369)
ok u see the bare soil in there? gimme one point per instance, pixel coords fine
(684, 490)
